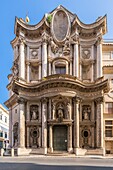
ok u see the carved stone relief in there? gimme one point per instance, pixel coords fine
(54, 46)
(66, 48)
(34, 112)
(34, 135)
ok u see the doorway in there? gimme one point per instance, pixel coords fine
(60, 138)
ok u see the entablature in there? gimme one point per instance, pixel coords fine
(61, 81)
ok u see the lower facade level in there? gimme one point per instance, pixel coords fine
(59, 124)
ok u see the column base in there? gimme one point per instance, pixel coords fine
(45, 151)
(50, 150)
(70, 150)
(23, 151)
(80, 151)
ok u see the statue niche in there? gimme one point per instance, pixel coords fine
(34, 112)
(86, 112)
(60, 112)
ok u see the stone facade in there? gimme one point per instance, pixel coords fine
(59, 86)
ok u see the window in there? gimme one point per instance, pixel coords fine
(108, 128)
(0, 116)
(5, 119)
(15, 110)
(5, 134)
(60, 69)
(1, 134)
(106, 55)
(1, 144)
(112, 55)
(109, 107)
(112, 81)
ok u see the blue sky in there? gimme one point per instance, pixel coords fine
(87, 10)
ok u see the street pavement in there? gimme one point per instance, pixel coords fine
(55, 163)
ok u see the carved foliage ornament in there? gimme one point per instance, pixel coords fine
(60, 25)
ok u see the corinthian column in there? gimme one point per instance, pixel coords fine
(22, 60)
(44, 55)
(76, 123)
(76, 60)
(21, 134)
(99, 57)
(99, 122)
(44, 125)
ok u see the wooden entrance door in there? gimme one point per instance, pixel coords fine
(60, 138)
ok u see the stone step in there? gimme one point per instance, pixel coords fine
(38, 151)
(94, 152)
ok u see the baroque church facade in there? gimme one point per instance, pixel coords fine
(61, 86)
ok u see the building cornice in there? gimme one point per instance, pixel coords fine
(11, 101)
(100, 23)
(61, 81)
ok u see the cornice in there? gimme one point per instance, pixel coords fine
(11, 101)
(61, 81)
(102, 22)
(21, 23)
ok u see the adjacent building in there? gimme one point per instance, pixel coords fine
(4, 127)
(61, 86)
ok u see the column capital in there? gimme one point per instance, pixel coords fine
(28, 63)
(75, 39)
(44, 37)
(77, 99)
(21, 100)
(99, 40)
(99, 100)
(44, 100)
(21, 41)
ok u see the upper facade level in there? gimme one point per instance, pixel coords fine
(59, 44)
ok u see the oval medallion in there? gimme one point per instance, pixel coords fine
(60, 25)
